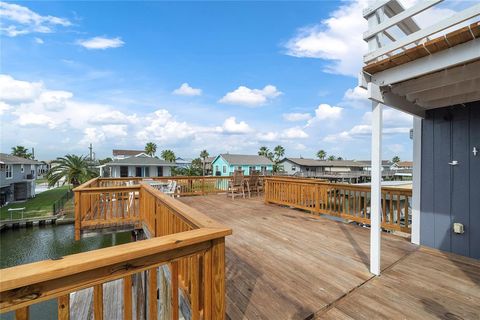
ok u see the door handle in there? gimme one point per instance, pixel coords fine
(453, 163)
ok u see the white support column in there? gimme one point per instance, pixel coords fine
(417, 176)
(376, 191)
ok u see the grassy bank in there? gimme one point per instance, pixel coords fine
(39, 206)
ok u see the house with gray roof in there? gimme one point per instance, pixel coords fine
(226, 164)
(17, 178)
(137, 166)
(314, 168)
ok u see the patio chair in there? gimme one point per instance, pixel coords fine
(236, 185)
(171, 188)
(253, 182)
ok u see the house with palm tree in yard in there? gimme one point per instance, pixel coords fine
(140, 165)
(226, 164)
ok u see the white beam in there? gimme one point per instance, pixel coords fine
(457, 18)
(385, 96)
(417, 178)
(460, 54)
(452, 100)
(422, 6)
(377, 5)
(438, 79)
(462, 87)
(376, 189)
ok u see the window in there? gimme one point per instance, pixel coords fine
(8, 171)
(251, 169)
(239, 168)
(123, 171)
(159, 171)
(22, 169)
(294, 168)
(224, 169)
(138, 171)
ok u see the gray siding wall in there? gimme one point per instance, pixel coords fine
(451, 193)
(17, 175)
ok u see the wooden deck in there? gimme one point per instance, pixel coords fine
(285, 264)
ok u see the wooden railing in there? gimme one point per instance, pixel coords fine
(183, 241)
(347, 201)
(187, 186)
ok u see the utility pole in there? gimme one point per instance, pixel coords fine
(91, 152)
(33, 153)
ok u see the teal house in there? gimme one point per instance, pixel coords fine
(226, 164)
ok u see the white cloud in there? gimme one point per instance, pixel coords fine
(39, 40)
(325, 112)
(267, 136)
(92, 135)
(294, 133)
(245, 96)
(161, 126)
(396, 148)
(34, 119)
(230, 125)
(186, 90)
(114, 117)
(391, 118)
(356, 93)
(114, 130)
(16, 90)
(54, 100)
(4, 108)
(337, 39)
(18, 20)
(297, 116)
(101, 43)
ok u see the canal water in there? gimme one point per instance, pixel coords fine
(25, 245)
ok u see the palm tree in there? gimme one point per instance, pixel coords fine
(73, 169)
(264, 151)
(168, 155)
(21, 151)
(321, 154)
(331, 158)
(396, 159)
(204, 155)
(150, 149)
(279, 152)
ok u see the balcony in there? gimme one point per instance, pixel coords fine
(300, 251)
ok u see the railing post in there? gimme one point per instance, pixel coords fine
(218, 279)
(78, 214)
(265, 189)
(203, 185)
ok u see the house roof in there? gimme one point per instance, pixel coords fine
(324, 163)
(209, 159)
(245, 159)
(144, 161)
(9, 159)
(369, 162)
(119, 152)
(405, 164)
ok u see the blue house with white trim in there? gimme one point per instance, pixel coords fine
(225, 164)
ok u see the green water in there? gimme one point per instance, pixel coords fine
(27, 245)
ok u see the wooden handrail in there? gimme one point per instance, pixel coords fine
(346, 201)
(191, 243)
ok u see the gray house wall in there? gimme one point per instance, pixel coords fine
(449, 193)
(18, 187)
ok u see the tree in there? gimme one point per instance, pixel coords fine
(264, 151)
(321, 154)
(106, 160)
(279, 152)
(339, 158)
(396, 159)
(21, 151)
(71, 169)
(204, 155)
(331, 158)
(168, 155)
(151, 149)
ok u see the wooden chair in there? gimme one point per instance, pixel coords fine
(253, 183)
(236, 185)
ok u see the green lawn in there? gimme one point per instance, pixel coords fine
(39, 206)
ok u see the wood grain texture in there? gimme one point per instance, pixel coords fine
(98, 302)
(63, 306)
(286, 264)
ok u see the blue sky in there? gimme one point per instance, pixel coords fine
(221, 76)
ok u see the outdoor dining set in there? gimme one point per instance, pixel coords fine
(241, 184)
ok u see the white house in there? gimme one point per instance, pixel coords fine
(140, 165)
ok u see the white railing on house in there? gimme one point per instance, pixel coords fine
(391, 28)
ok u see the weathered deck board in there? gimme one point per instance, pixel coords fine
(285, 264)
